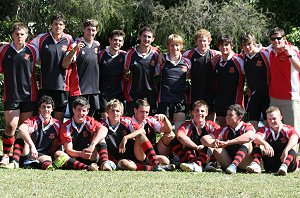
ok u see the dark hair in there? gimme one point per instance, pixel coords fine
(246, 38)
(46, 99)
(276, 30)
(116, 33)
(18, 26)
(58, 17)
(145, 29)
(225, 39)
(81, 101)
(141, 103)
(238, 109)
(91, 22)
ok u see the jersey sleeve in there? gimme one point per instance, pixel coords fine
(183, 129)
(65, 133)
(30, 123)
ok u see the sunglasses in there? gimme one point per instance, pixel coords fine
(276, 38)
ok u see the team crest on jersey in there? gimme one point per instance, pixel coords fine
(82, 52)
(258, 63)
(26, 56)
(282, 58)
(51, 136)
(96, 50)
(231, 70)
(152, 63)
(85, 134)
(64, 47)
(184, 68)
(283, 140)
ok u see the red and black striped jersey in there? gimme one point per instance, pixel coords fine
(43, 134)
(80, 135)
(228, 133)
(52, 75)
(18, 68)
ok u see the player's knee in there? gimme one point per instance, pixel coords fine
(163, 160)
(125, 165)
(10, 128)
(59, 153)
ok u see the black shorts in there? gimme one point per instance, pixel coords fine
(93, 100)
(60, 98)
(257, 105)
(272, 164)
(22, 106)
(168, 109)
(151, 100)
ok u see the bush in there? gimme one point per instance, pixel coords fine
(294, 36)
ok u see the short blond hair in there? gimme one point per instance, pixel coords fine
(175, 38)
(272, 109)
(203, 33)
(115, 103)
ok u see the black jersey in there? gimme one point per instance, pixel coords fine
(111, 73)
(19, 73)
(84, 78)
(52, 75)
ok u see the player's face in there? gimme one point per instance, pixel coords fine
(274, 119)
(57, 27)
(146, 38)
(277, 41)
(249, 48)
(80, 112)
(19, 36)
(114, 114)
(232, 119)
(89, 33)
(202, 44)
(141, 113)
(175, 49)
(225, 48)
(116, 42)
(46, 110)
(199, 114)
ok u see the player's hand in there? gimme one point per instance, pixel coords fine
(86, 154)
(127, 74)
(33, 152)
(283, 156)
(200, 147)
(161, 58)
(269, 150)
(222, 144)
(122, 146)
(160, 117)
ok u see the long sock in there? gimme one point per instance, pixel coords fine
(240, 155)
(257, 154)
(150, 153)
(177, 148)
(8, 142)
(45, 164)
(290, 157)
(76, 165)
(191, 156)
(102, 152)
(143, 167)
(204, 154)
(18, 149)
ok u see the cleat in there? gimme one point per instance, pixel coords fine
(12, 165)
(191, 167)
(59, 161)
(211, 167)
(282, 170)
(93, 167)
(31, 164)
(253, 168)
(158, 167)
(4, 160)
(231, 169)
(108, 166)
(169, 167)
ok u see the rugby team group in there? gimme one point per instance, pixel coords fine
(129, 109)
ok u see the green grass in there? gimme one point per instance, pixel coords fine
(62, 183)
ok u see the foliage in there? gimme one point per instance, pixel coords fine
(61, 183)
(294, 36)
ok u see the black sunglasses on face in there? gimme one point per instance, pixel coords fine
(276, 38)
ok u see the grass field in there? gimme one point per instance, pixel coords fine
(62, 183)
